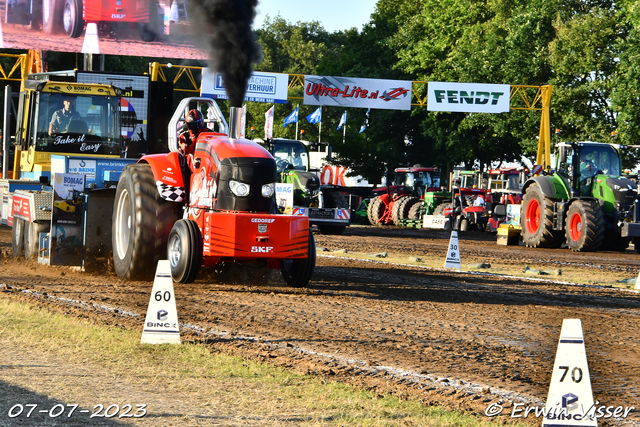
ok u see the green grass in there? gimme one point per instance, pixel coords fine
(203, 380)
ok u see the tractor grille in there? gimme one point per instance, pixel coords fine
(623, 194)
(254, 171)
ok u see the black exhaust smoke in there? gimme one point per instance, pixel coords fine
(225, 30)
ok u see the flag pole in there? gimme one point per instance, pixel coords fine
(320, 128)
(344, 131)
(297, 120)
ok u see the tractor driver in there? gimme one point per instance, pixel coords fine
(297, 158)
(61, 118)
(194, 125)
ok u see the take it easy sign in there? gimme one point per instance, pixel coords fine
(468, 97)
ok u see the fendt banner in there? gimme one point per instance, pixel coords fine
(356, 92)
(261, 87)
(468, 97)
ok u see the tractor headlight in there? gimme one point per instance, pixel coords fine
(240, 189)
(268, 190)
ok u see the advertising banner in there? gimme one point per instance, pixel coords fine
(359, 93)
(67, 219)
(262, 87)
(468, 97)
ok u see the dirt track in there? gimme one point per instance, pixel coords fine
(389, 327)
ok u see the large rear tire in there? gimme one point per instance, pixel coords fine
(184, 251)
(72, 18)
(536, 220)
(584, 226)
(141, 223)
(375, 211)
(297, 272)
(402, 207)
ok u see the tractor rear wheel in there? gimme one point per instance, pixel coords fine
(141, 223)
(584, 226)
(184, 251)
(414, 212)
(51, 15)
(401, 208)
(72, 18)
(297, 272)
(441, 208)
(375, 211)
(536, 220)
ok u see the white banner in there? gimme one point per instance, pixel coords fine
(268, 123)
(355, 92)
(468, 97)
(262, 87)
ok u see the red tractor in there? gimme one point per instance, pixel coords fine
(390, 204)
(220, 214)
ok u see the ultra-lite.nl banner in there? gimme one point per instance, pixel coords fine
(356, 92)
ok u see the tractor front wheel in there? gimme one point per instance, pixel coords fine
(141, 223)
(184, 251)
(584, 226)
(297, 272)
(536, 220)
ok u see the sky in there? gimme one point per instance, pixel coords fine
(333, 15)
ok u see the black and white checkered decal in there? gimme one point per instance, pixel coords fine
(169, 192)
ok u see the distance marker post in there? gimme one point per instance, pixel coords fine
(161, 323)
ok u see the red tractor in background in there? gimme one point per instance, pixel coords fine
(222, 214)
(392, 203)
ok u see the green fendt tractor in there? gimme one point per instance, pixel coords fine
(325, 205)
(585, 203)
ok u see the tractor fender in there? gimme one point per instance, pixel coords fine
(167, 174)
(544, 183)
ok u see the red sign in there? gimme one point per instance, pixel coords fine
(333, 175)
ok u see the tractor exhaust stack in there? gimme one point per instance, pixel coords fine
(235, 122)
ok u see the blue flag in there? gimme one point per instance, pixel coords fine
(343, 120)
(366, 121)
(315, 117)
(291, 118)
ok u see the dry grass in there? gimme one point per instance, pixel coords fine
(51, 359)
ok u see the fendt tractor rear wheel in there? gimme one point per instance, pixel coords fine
(184, 250)
(584, 226)
(375, 210)
(141, 223)
(536, 220)
(297, 272)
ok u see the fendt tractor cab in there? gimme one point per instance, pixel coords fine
(325, 205)
(220, 214)
(586, 202)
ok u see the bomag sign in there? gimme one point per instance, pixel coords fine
(468, 97)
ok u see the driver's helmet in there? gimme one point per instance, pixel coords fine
(195, 121)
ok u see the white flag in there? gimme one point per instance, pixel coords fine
(343, 120)
(268, 123)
